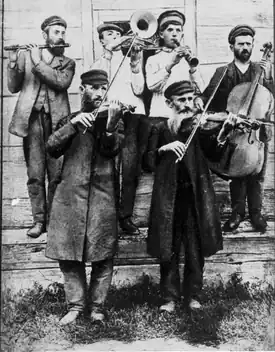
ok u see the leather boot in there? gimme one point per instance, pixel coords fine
(258, 222)
(36, 230)
(233, 222)
(129, 227)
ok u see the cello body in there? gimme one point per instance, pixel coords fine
(244, 154)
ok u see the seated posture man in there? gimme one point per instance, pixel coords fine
(241, 70)
(127, 87)
(42, 76)
(183, 207)
(169, 64)
(83, 223)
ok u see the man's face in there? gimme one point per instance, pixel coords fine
(172, 35)
(92, 96)
(242, 48)
(110, 36)
(55, 35)
(183, 104)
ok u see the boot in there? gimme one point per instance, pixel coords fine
(129, 227)
(36, 230)
(258, 222)
(70, 317)
(233, 222)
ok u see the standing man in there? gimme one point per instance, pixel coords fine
(83, 224)
(42, 77)
(127, 87)
(242, 69)
(183, 207)
(169, 64)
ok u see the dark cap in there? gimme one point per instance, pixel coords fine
(108, 26)
(241, 29)
(94, 77)
(178, 88)
(171, 16)
(53, 20)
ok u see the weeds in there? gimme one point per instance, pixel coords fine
(232, 312)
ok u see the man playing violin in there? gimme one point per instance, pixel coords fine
(83, 223)
(183, 208)
(168, 65)
(242, 69)
(127, 87)
(42, 77)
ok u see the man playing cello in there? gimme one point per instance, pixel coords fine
(241, 70)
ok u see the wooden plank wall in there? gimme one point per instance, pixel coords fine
(207, 26)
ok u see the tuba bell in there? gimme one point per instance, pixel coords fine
(144, 24)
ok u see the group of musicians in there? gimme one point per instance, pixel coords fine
(81, 154)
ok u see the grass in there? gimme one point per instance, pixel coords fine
(238, 311)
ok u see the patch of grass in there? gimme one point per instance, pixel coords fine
(230, 313)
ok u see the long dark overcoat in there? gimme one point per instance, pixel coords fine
(83, 221)
(160, 232)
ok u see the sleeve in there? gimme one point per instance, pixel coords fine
(137, 81)
(59, 141)
(111, 143)
(16, 74)
(156, 76)
(57, 78)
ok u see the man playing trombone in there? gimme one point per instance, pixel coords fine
(127, 87)
(168, 65)
(42, 77)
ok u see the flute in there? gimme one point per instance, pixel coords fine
(42, 46)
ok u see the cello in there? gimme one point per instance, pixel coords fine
(253, 104)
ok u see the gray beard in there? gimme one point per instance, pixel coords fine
(175, 120)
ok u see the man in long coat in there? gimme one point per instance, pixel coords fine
(42, 76)
(83, 221)
(183, 208)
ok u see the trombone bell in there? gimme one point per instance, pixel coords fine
(144, 24)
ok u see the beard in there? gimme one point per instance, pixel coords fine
(243, 56)
(56, 51)
(175, 121)
(88, 104)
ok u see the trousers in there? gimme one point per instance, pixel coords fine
(185, 231)
(248, 188)
(132, 151)
(39, 164)
(78, 293)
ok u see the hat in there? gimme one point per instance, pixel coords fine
(53, 20)
(178, 88)
(108, 26)
(241, 29)
(94, 77)
(171, 16)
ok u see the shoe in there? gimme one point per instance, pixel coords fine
(168, 307)
(96, 315)
(37, 229)
(258, 222)
(194, 304)
(128, 226)
(70, 317)
(233, 222)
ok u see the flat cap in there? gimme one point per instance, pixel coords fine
(171, 16)
(178, 88)
(241, 29)
(108, 26)
(94, 77)
(53, 20)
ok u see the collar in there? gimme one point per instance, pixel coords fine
(164, 49)
(242, 67)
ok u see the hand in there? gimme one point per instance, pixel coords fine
(228, 125)
(85, 118)
(177, 147)
(136, 55)
(35, 53)
(13, 55)
(267, 67)
(198, 103)
(117, 43)
(114, 114)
